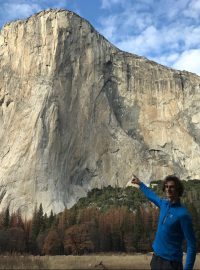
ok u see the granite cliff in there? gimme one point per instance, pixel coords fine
(76, 113)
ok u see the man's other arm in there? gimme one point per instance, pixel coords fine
(186, 225)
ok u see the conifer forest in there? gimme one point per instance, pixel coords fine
(110, 219)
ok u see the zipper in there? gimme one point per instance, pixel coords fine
(167, 214)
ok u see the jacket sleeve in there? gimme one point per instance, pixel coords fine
(187, 228)
(150, 194)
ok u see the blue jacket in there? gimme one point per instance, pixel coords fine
(174, 226)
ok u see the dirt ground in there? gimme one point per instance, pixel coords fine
(102, 261)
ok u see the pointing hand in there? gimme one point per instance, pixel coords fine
(135, 180)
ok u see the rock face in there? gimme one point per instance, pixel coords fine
(77, 113)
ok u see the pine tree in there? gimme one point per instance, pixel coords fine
(138, 229)
(6, 219)
(38, 225)
(51, 219)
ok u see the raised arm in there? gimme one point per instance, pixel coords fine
(147, 191)
(187, 228)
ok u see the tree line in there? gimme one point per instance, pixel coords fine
(110, 219)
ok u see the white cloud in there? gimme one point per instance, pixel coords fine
(193, 9)
(17, 9)
(108, 3)
(109, 28)
(20, 10)
(189, 60)
(191, 36)
(152, 41)
(119, 27)
(129, 21)
(168, 10)
(148, 40)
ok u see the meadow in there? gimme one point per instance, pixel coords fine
(100, 261)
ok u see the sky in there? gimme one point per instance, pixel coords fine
(165, 31)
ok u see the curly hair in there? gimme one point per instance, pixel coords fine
(178, 184)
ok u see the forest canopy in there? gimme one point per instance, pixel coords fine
(110, 219)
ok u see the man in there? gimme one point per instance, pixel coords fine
(174, 225)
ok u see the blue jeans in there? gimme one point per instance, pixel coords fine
(158, 263)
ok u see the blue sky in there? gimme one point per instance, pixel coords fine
(166, 31)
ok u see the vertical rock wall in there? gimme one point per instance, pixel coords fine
(77, 113)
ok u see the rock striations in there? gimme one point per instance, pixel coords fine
(77, 113)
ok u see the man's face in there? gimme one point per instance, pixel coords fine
(170, 190)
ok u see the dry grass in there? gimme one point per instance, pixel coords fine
(102, 261)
